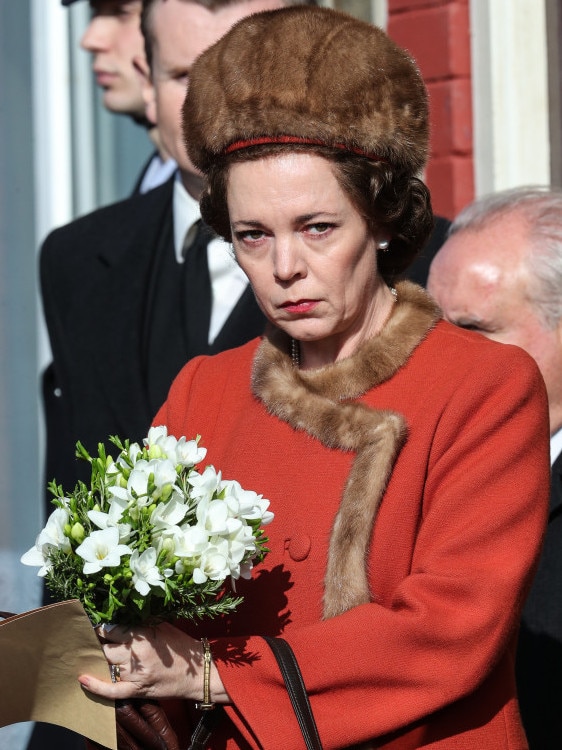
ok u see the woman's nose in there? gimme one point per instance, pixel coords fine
(288, 259)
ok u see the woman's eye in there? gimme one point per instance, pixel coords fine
(320, 228)
(250, 235)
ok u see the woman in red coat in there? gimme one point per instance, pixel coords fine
(406, 461)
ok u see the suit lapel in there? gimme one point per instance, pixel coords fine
(125, 292)
(124, 288)
(245, 322)
(556, 488)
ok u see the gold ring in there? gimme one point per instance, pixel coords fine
(115, 672)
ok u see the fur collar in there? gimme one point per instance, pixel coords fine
(318, 402)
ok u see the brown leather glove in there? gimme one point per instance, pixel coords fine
(141, 725)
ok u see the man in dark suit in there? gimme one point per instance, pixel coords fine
(500, 273)
(113, 284)
(113, 38)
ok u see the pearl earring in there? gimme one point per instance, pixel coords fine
(383, 245)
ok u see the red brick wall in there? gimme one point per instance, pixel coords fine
(437, 33)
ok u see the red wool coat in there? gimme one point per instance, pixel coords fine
(401, 604)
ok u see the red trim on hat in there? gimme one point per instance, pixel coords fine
(270, 139)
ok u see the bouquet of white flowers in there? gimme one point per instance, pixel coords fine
(151, 538)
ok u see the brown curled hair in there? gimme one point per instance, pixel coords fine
(386, 198)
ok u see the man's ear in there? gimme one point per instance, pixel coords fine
(143, 72)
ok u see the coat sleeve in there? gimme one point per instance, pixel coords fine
(379, 668)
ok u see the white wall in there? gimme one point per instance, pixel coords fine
(510, 94)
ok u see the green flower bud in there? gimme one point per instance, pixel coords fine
(155, 451)
(78, 533)
(67, 529)
(168, 546)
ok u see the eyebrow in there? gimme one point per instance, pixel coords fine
(247, 223)
(302, 219)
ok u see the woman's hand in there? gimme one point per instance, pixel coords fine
(159, 662)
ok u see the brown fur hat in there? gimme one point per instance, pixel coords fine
(309, 73)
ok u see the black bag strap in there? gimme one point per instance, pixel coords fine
(297, 692)
(209, 720)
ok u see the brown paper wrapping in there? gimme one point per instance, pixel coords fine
(42, 652)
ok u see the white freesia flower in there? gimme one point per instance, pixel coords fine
(122, 493)
(189, 453)
(117, 507)
(168, 514)
(206, 484)
(155, 434)
(145, 571)
(213, 515)
(214, 563)
(191, 542)
(134, 451)
(52, 536)
(184, 452)
(167, 446)
(244, 535)
(246, 569)
(164, 472)
(137, 484)
(53, 533)
(161, 472)
(102, 550)
(250, 505)
(113, 469)
(37, 556)
(240, 543)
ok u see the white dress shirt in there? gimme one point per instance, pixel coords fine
(228, 280)
(157, 173)
(555, 446)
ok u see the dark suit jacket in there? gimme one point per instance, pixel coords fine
(97, 283)
(539, 652)
(419, 269)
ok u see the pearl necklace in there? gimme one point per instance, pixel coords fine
(295, 353)
(295, 345)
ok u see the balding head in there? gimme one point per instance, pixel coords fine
(500, 273)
